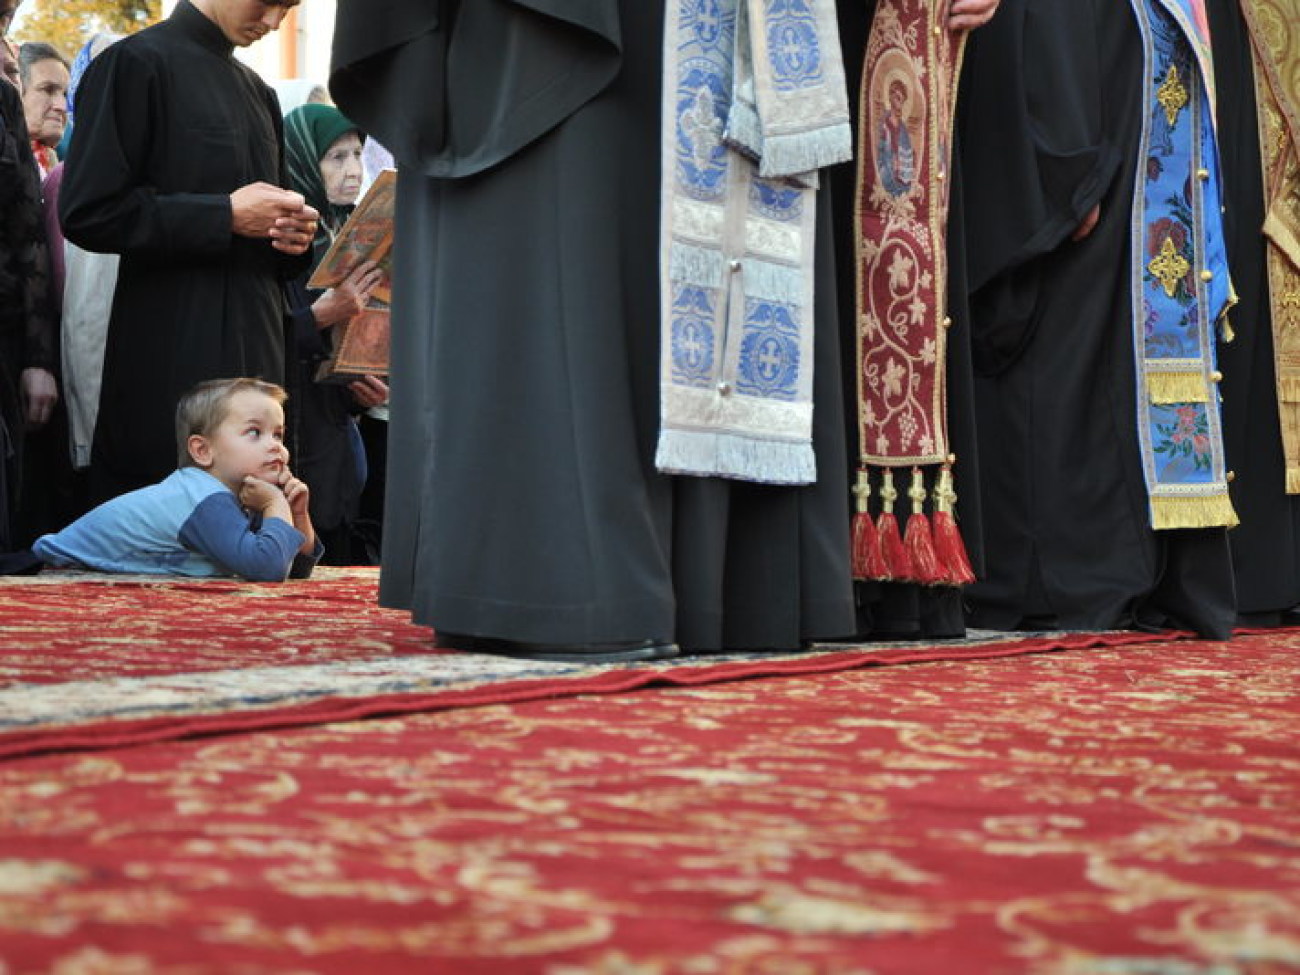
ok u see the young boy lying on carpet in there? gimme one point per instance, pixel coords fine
(233, 507)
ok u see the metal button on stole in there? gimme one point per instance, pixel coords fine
(1207, 275)
(1230, 476)
(724, 389)
(734, 264)
(1202, 174)
(1216, 376)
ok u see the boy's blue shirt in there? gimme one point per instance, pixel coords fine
(187, 525)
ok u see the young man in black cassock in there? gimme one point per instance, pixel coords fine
(176, 163)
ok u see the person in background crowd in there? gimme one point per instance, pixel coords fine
(89, 51)
(82, 297)
(296, 92)
(45, 77)
(373, 423)
(9, 69)
(1105, 498)
(324, 157)
(176, 163)
(7, 10)
(374, 160)
(28, 339)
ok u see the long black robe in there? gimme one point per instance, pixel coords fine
(1266, 546)
(28, 336)
(523, 501)
(168, 125)
(906, 610)
(1054, 115)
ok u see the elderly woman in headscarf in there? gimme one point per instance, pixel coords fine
(81, 286)
(83, 292)
(323, 152)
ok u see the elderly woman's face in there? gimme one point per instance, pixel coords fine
(340, 170)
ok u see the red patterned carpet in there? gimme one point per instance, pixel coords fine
(1116, 810)
(92, 661)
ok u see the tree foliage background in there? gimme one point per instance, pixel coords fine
(68, 24)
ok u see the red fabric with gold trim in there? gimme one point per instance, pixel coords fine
(908, 91)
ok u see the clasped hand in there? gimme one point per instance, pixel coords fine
(282, 216)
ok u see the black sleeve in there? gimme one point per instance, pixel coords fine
(106, 203)
(453, 87)
(1035, 151)
(309, 340)
(1036, 157)
(24, 252)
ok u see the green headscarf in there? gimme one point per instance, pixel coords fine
(309, 131)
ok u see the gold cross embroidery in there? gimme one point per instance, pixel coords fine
(1169, 267)
(1172, 95)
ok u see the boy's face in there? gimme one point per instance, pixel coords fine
(249, 441)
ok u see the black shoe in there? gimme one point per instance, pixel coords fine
(24, 563)
(593, 653)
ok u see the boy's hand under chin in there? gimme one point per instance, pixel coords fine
(257, 494)
(298, 495)
(281, 496)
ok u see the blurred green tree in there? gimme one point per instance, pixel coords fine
(68, 24)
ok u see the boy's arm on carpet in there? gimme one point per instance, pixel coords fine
(258, 549)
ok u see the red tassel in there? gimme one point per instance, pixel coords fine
(877, 567)
(898, 567)
(948, 544)
(893, 556)
(867, 563)
(866, 546)
(951, 550)
(918, 540)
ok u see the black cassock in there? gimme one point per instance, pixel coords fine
(523, 501)
(1266, 545)
(1052, 126)
(168, 125)
(28, 334)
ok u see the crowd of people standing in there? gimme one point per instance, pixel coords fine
(802, 323)
(177, 243)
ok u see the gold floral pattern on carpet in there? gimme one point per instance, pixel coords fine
(1129, 811)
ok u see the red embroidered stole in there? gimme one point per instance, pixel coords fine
(908, 91)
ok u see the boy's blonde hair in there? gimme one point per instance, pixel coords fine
(204, 408)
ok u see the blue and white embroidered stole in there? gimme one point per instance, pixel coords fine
(750, 87)
(1181, 289)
